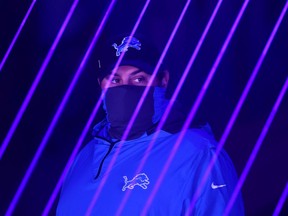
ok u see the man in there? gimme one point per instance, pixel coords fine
(184, 175)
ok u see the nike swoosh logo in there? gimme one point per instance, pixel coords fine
(213, 186)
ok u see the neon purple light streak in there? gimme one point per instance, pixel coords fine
(168, 109)
(57, 115)
(206, 85)
(36, 81)
(263, 133)
(235, 113)
(103, 181)
(89, 122)
(17, 35)
(23, 107)
(281, 201)
(155, 71)
(256, 149)
(66, 97)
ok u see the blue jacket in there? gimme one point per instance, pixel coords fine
(176, 190)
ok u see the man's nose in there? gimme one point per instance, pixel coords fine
(125, 82)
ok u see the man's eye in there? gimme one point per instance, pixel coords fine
(115, 80)
(139, 79)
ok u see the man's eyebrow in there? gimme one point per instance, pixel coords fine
(111, 74)
(132, 74)
(136, 72)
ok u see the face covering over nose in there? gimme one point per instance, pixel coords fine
(120, 103)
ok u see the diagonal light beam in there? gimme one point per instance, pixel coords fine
(129, 126)
(16, 35)
(235, 114)
(36, 81)
(124, 137)
(200, 96)
(263, 133)
(256, 149)
(281, 201)
(67, 95)
(168, 109)
(88, 124)
(24, 181)
(60, 109)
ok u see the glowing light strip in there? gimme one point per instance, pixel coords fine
(58, 113)
(67, 95)
(23, 107)
(255, 150)
(125, 135)
(103, 181)
(17, 35)
(262, 136)
(88, 125)
(234, 116)
(168, 109)
(36, 81)
(281, 201)
(203, 89)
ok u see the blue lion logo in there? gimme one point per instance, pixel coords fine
(141, 180)
(126, 43)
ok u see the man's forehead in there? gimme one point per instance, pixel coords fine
(127, 72)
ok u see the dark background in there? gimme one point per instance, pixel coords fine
(269, 174)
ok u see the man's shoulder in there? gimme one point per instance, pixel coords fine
(192, 141)
(198, 137)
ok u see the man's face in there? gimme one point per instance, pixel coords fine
(129, 75)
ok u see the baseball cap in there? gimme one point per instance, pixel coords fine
(139, 52)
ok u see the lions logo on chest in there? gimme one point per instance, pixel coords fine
(141, 180)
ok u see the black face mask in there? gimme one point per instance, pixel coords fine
(120, 103)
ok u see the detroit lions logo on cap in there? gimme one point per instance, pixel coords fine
(126, 43)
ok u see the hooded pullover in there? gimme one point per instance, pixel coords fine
(182, 178)
(176, 190)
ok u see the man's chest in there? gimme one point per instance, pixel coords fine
(134, 181)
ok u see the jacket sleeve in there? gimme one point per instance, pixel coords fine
(220, 184)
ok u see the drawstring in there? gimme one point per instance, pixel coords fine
(102, 162)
